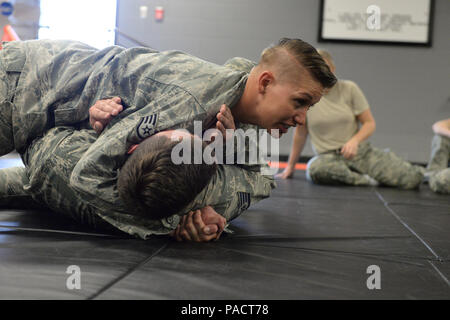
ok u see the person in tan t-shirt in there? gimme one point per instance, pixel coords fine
(339, 125)
(438, 171)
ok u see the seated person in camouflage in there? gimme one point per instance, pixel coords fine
(53, 83)
(343, 154)
(437, 171)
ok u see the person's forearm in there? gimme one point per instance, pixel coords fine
(441, 128)
(298, 142)
(232, 190)
(366, 130)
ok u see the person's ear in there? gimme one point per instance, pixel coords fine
(132, 148)
(333, 69)
(331, 66)
(265, 79)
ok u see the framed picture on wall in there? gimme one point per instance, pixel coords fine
(399, 22)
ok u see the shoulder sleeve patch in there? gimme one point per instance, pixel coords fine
(147, 126)
(244, 201)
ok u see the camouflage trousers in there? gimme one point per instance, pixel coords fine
(14, 196)
(8, 83)
(437, 169)
(369, 163)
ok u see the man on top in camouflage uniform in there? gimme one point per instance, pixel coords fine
(53, 83)
(438, 171)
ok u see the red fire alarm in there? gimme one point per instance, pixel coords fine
(159, 13)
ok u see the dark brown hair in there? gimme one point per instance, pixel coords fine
(151, 185)
(305, 54)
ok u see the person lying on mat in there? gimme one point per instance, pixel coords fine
(191, 190)
(437, 171)
(343, 154)
(44, 183)
(53, 83)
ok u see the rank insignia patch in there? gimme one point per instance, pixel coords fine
(147, 126)
(244, 201)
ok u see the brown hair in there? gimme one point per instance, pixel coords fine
(326, 56)
(151, 185)
(304, 54)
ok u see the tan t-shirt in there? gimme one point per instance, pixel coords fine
(332, 121)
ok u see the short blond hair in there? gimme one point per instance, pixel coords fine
(304, 54)
(326, 55)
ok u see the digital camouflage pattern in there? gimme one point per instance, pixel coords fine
(437, 169)
(440, 181)
(440, 153)
(60, 80)
(74, 171)
(382, 165)
(12, 194)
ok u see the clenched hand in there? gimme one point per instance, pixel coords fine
(102, 112)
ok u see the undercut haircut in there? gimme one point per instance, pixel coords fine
(326, 56)
(304, 54)
(151, 185)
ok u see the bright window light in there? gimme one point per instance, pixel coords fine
(88, 21)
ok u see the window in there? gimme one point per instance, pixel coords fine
(88, 21)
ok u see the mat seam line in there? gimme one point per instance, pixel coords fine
(440, 273)
(362, 254)
(386, 205)
(417, 236)
(127, 273)
(56, 231)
